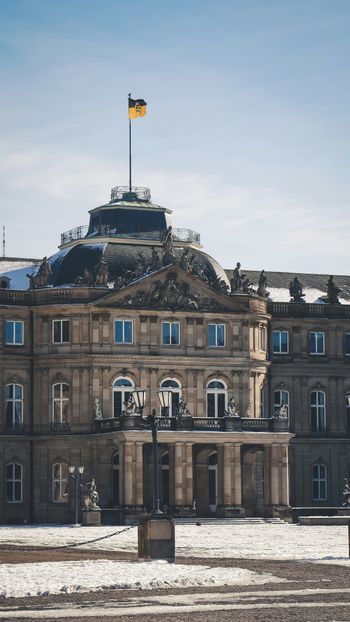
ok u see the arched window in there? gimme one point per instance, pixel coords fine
(319, 482)
(216, 398)
(14, 406)
(280, 398)
(318, 412)
(170, 384)
(60, 482)
(14, 483)
(60, 405)
(116, 478)
(164, 467)
(122, 387)
(213, 480)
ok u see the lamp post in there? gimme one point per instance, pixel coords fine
(76, 479)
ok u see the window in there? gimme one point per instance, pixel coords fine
(280, 342)
(60, 483)
(123, 331)
(319, 482)
(262, 402)
(60, 331)
(280, 398)
(216, 335)
(318, 412)
(14, 333)
(14, 483)
(262, 337)
(171, 333)
(170, 384)
(347, 344)
(14, 406)
(216, 398)
(60, 405)
(116, 479)
(316, 343)
(122, 388)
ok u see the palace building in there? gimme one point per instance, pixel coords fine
(246, 372)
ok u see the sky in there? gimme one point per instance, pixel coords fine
(246, 137)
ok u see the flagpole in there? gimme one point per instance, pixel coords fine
(129, 145)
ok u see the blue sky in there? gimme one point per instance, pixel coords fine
(247, 133)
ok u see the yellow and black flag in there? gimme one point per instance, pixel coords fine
(137, 108)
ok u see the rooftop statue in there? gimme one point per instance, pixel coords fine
(101, 274)
(247, 285)
(236, 281)
(332, 291)
(41, 278)
(262, 291)
(156, 263)
(168, 247)
(296, 290)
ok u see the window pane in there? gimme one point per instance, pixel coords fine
(220, 334)
(118, 331)
(347, 344)
(9, 391)
(175, 398)
(320, 344)
(65, 391)
(18, 332)
(9, 491)
(18, 491)
(57, 332)
(18, 391)
(221, 405)
(313, 397)
(322, 490)
(216, 384)
(277, 398)
(65, 330)
(276, 342)
(211, 335)
(170, 384)
(127, 332)
(321, 397)
(9, 332)
(322, 469)
(166, 333)
(9, 414)
(312, 343)
(9, 471)
(284, 342)
(56, 471)
(18, 471)
(175, 334)
(117, 403)
(57, 391)
(18, 412)
(315, 489)
(211, 404)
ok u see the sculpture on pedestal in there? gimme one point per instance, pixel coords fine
(296, 290)
(332, 291)
(92, 498)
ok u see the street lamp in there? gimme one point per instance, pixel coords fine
(139, 397)
(165, 400)
(76, 479)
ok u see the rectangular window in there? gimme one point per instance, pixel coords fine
(60, 483)
(347, 344)
(216, 335)
(319, 482)
(280, 342)
(262, 338)
(60, 331)
(14, 477)
(14, 333)
(171, 333)
(123, 331)
(316, 343)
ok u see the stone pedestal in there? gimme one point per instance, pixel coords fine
(156, 539)
(91, 518)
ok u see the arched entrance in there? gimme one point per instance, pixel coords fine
(254, 484)
(206, 485)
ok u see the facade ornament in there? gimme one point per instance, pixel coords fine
(232, 410)
(182, 410)
(296, 290)
(41, 278)
(168, 247)
(346, 492)
(248, 412)
(332, 292)
(262, 285)
(101, 274)
(92, 498)
(97, 409)
(281, 412)
(236, 281)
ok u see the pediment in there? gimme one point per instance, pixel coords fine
(174, 289)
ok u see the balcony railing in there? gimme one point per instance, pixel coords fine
(78, 233)
(195, 424)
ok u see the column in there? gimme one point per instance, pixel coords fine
(274, 475)
(284, 475)
(227, 464)
(188, 475)
(178, 474)
(237, 496)
(139, 473)
(128, 496)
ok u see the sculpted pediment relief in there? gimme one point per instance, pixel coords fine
(171, 288)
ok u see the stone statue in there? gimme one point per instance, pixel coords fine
(262, 291)
(141, 265)
(129, 407)
(332, 291)
(346, 492)
(248, 412)
(182, 410)
(232, 410)
(41, 278)
(236, 281)
(92, 498)
(97, 409)
(246, 285)
(168, 247)
(156, 263)
(185, 262)
(296, 290)
(101, 274)
(283, 412)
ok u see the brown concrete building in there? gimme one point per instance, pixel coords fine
(257, 386)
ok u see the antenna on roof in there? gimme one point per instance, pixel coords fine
(3, 241)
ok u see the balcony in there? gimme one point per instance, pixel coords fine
(194, 424)
(79, 233)
(62, 427)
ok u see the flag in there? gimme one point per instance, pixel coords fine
(137, 108)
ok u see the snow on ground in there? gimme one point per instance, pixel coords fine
(19, 580)
(254, 541)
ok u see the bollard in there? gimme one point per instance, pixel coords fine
(156, 539)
